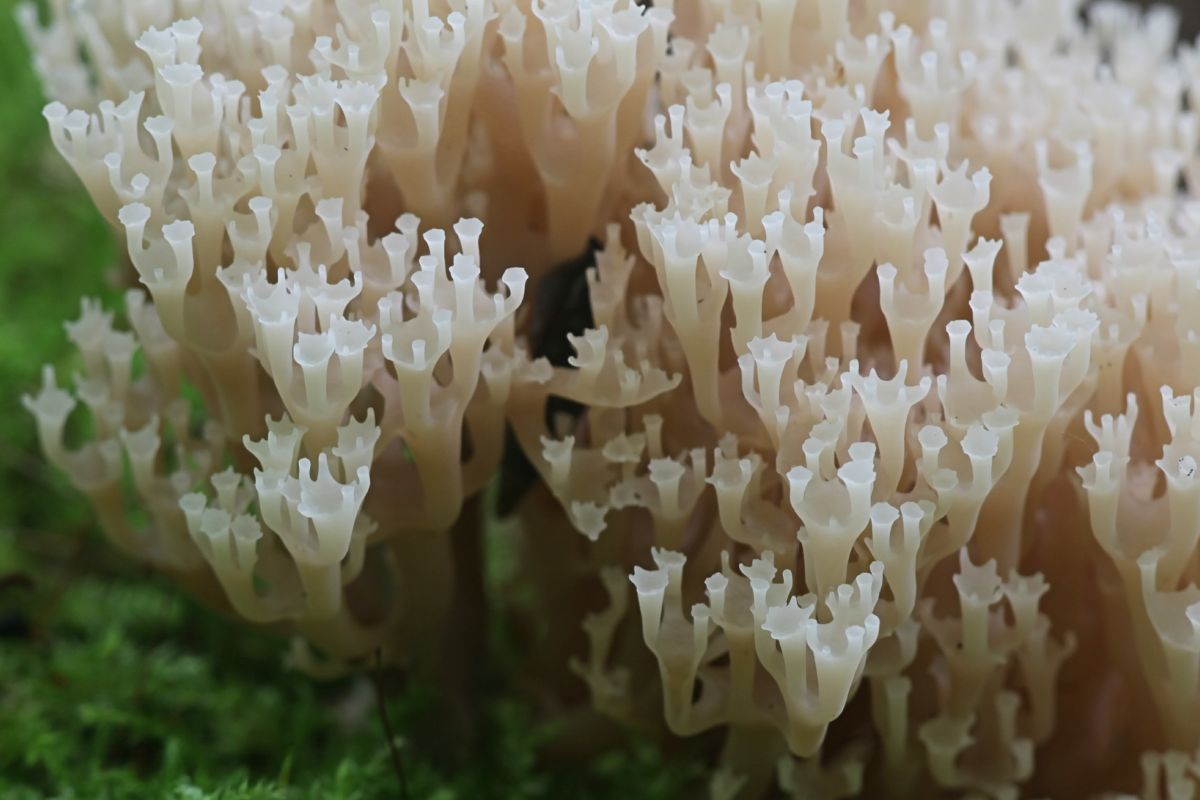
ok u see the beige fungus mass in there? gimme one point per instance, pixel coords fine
(887, 419)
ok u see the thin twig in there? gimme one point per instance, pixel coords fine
(397, 761)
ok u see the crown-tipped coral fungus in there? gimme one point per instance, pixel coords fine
(886, 402)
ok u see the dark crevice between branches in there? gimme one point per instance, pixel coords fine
(560, 306)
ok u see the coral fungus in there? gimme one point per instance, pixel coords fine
(880, 435)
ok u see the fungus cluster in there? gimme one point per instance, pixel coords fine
(879, 430)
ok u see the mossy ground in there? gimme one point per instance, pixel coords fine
(113, 684)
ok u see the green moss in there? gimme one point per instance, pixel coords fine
(123, 688)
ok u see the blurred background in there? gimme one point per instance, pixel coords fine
(112, 683)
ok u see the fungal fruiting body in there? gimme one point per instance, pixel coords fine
(880, 437)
